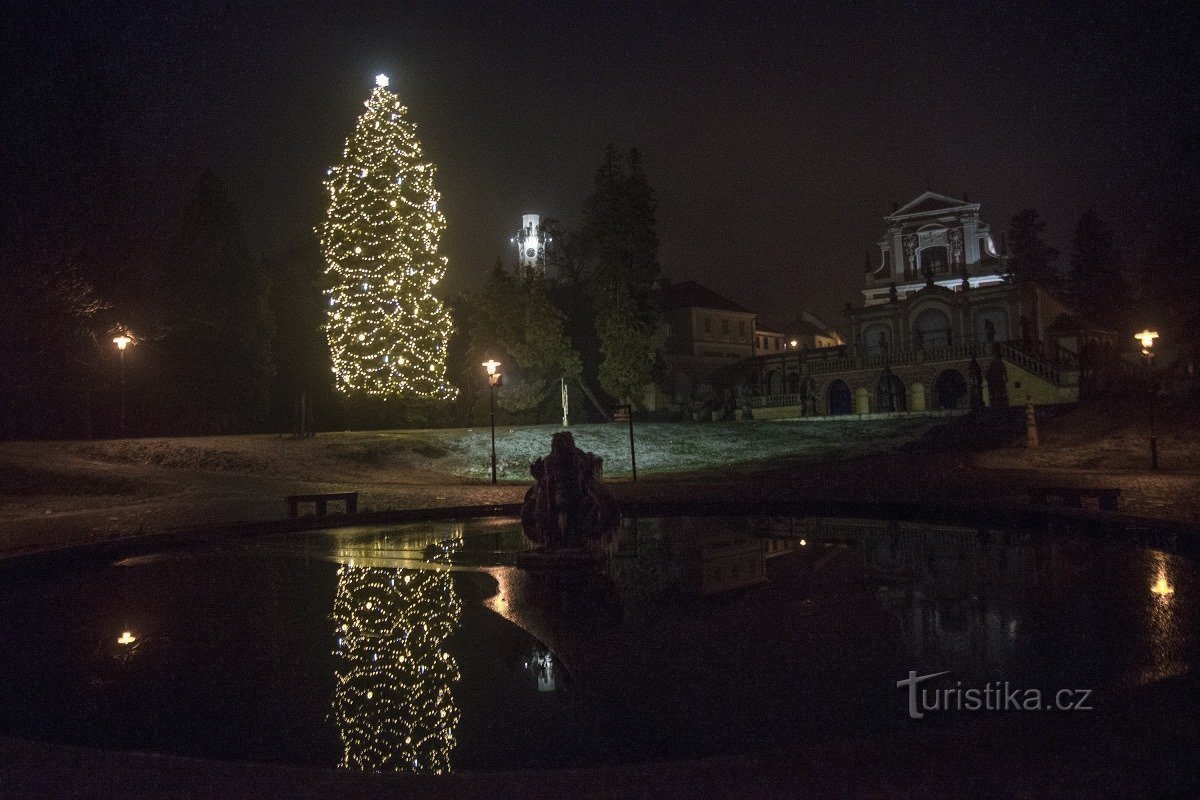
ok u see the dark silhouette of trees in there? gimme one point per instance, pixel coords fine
(513, 319)
(1030, 257)
(621, 255)
(303, 367)
(1095, 282)
(214, 329)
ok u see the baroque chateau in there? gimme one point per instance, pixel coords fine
(941, 327)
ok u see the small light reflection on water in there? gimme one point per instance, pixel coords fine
(1162, 628)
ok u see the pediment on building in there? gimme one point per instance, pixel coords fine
(930, 203)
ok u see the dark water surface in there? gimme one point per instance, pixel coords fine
(434, 647)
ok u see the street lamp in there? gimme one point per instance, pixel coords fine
(1147, 338)
(494, 379)
(122, 340)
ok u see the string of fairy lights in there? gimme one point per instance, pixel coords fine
(393, 704)
(387, 333)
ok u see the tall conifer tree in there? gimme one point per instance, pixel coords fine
(387, 332)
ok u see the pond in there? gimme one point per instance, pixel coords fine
(433, 647)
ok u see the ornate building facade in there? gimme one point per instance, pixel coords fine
(937, 237)
(941, 328)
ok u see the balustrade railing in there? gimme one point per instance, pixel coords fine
(1050, 364)
(773, 400)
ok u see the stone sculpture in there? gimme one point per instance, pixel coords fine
(568, 508)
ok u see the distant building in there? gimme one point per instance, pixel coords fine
(710, 339)
(804, 332)
(766, 342)
(941, 328)
(705, 324)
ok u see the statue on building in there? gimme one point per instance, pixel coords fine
(976, 372)
(567, 507)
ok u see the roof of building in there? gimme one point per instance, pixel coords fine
(930, 202)
(803, 324)
(690, 294)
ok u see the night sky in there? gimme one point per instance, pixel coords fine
(776, 140)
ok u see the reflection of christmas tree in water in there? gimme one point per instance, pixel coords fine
(393, 704)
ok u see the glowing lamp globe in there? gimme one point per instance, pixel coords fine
(381, 80)
(1147, 338)
(122, 341)
(490, 365)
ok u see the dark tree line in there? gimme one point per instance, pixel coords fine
(1094, 282)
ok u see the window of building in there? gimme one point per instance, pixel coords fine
(725, 326)
(707, 324)
(776, 342)
(741, 328)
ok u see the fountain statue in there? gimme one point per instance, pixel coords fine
(568, 508)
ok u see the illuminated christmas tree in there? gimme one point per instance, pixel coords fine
(387, 332)
(393, 704)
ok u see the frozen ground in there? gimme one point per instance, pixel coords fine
(54, 493)
(459, 452)
(85, 489)
(1105, 440)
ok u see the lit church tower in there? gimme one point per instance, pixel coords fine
(531, 244)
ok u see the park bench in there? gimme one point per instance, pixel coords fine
(1075, 496)
(322, 502)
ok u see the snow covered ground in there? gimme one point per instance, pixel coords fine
(455, 452)
(82, 490)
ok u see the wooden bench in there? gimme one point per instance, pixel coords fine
(1074, 496)
(322, 502)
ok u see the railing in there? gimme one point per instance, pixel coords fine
(1047, 365)
(896, 358)
(774, 400)
(1053, 365)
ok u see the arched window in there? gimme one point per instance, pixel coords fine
(934, 261)
(771, 383)
(950, 389)
(838, 398)
(877, 340)
(932, 329)
(991, 326)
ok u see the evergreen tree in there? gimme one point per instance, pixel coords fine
(621, 245)
(1096, 283)
(393, 703)
(215, 328)
(516, 322)
(387, 333)
(621, 235)
(302, 362)
(1029, 256)
(628, 365)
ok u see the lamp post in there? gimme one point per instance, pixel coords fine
(628, 409)
(495, 378)
(1147, 338)
(122, 340)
